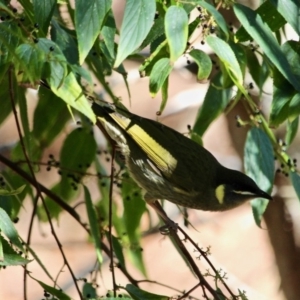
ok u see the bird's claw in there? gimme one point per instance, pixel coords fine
(165, 229)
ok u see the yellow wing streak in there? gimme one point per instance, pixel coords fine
(158, 154)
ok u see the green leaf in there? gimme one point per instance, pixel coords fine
(285, 99)
(108, 33)
(259, 72)
(259, 165)
(10, 37)
(215, 101)
(291, 130)
(65, 40)
(89, 292)
(227, 56)
(31, 61)
(138, 294)
(269, 15)
(12, 192)
(63, 83)
(294, 107)
(137, 21)
(6, 107)
(28, 9)
(290, 10)
(283, 92)
(12, 204)
(291, 50)
(295, 178)
(9, 256)
(204, 63)
(156, 31)
(118, 250)
(176, 29)
(89, 17)
(94, 224)
(53, 291)
(45, 127)
(43, 11)
(8, 228)
(263, 36)
(159, 74)
(164, 95)
(134, 208)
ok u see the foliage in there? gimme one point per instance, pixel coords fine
(59, 53)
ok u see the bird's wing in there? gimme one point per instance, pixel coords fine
(139, 130)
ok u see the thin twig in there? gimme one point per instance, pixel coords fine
(112, 169)
(186, 236)
(189, 291)
(29, 239)
(173, 233)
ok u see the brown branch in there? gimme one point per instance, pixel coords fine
(63, 205)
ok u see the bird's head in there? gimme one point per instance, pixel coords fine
(233, 188)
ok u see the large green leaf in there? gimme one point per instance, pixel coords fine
(215, 101)
(31, 61)
(228, 57)
(269, 15)
(138, 294)
(295, 178)
(63, 82)
(108, 33)
(8, 256)
(161, 70)
(91, 212)
(8, 228)
(43, 11)
(204, 63)
(5, 102)
(264, 37)
(66, 41)
(283, 93)
(57, 293)
(176, 29)
(50, 117)
(259, 165)
(89, 17)
(17, 191)
(290, 10)
(134, 208)
(258, 70)
(10, 37)
(291, 130)
(137, 22)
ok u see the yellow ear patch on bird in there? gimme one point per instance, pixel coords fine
(220, 193)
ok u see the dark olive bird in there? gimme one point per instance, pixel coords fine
(168, 165)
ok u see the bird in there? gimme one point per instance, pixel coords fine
(168, 165)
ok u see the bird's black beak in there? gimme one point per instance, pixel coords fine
(264, 195)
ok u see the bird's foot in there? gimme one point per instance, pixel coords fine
(169, 226)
